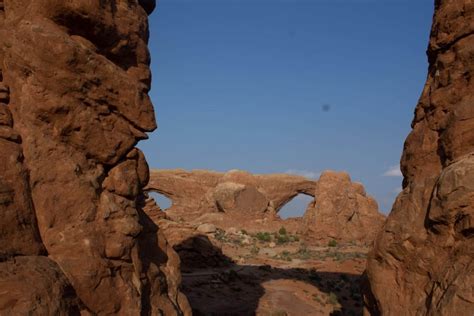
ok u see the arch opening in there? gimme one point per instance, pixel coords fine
(296, 207)
(163, 202)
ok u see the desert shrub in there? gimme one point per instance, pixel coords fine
(220, 235)
(282, 231)
(254, 250)
(332, 299)
(303, 252)
(317, 299)
(243, 231)
(332, 243)
(264, 236)
(282, 239)
(338, 256)
(284, 255)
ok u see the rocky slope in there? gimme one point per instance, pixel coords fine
(423, 260)
(73, 104)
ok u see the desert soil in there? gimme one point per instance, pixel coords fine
(272, 274)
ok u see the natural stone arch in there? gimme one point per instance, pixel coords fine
(161, 200)
(342, 211)
(287, 199)
(199, 191)
(311, 200)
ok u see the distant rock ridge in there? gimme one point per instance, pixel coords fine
(423, 260)
(341, 209)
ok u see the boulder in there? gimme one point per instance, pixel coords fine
(235, 197)
(342, 211)
(207, 228)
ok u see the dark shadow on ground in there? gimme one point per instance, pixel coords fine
(233, 289)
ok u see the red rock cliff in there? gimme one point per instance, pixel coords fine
(74, 103)
(422, 262)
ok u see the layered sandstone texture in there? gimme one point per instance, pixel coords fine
(340, 210)
(236, 192)
(74, 81)
(423, 260)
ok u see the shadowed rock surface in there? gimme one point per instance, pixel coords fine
(423, 260)
(74, 82)
(341, 209)
(35, 285)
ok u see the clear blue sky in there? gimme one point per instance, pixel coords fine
(244, 84)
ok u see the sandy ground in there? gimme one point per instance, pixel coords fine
(252, 275)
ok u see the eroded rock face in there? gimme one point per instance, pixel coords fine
(29, 281)
(422, 262)
(75, 75)
(19, 234)
(35, 285)
(237, 193)
(342, 210)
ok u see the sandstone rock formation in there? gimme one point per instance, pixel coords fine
(341, 209)
(197, 192)
(423, 260)
(74, 78)
(194, 193)
(35, 285)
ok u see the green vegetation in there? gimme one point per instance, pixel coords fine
(332, 243)
(282, 231)
(264, 236)
(282, 239)
(220, 235)
(303, 253)
(332, 299)
(317, 299)
(284, 255)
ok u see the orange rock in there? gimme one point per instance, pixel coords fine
(342, 211)
(422, 262)
(75, 77)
